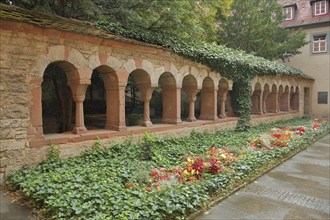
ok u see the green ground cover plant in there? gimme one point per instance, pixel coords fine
(158, 178)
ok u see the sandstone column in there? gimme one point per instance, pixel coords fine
(261, 102)
(78, 88)
(171, 98)
(223, 98)
(265, 96)
(35, 130)
(115, 101)
(209, 104)
(146, 93)
(191, 93)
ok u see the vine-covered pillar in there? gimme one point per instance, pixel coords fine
(209, 103)
(242, 99)
(146, 94)
(223, 99)
(191, 92)
(171, 104)
(35, 130)
(78, 88)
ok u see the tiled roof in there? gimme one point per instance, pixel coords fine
(303, 14)
(13, 13)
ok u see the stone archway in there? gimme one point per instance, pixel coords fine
(171, 100)
(283, 96)
(257, 99)
(140, 79)
(272, 100)
(57, 102)
(294, 99)
(208, 100)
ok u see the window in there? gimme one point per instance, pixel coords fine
(320, 7)
(288, 12)
(320, 43)
(322, 98)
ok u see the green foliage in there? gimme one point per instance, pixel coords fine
(134, 119)
(147, 143)
(54, 152)
(189, 19)
(255, 27)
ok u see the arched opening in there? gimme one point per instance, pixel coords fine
(272, 100)
(95, 104)
(294, 99)
(265, 97)
(208, 100)
(167, 99)
(222, 103)
(283, 96)
(256, 99)
(101, 96)
(188, 98)
(138, 94)
(58, 107)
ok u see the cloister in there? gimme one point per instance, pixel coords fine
(191, 94)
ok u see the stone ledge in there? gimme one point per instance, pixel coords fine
(66, 138)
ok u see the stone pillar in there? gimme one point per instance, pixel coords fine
(35, 130)
(78, 89)
(115, 101)
(171, 97)
(209, 104)
(277, 105)
(261, 102)
(264, 101)
(191, 93)
(146, 93)
(223, 98)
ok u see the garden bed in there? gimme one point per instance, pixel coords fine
(159, 178)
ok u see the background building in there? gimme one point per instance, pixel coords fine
(312, 16)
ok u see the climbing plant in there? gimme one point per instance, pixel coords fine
(233, 64)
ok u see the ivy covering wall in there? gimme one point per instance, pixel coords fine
(232, 64)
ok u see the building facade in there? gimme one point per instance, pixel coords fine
(312, 16)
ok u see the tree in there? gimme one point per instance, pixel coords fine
(255, 27)
(188, 19)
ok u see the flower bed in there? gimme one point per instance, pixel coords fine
(158, 178)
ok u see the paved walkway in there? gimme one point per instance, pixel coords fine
(12, 211)
(297, 189)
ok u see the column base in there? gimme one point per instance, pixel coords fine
(191, 119)
(116, 128)
(209, 117)
(172, 121)
(223, 116)
(147, 124)
(80, 130)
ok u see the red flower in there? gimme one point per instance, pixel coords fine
(278, 136)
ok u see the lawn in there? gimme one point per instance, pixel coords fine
(158, 178)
